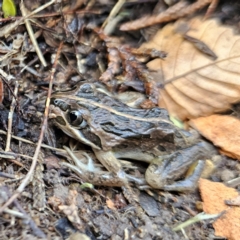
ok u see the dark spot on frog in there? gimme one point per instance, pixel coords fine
(161, 148)
(91, 136)
(60, 120)
(87, 106)
(61, 104)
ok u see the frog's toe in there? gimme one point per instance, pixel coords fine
(188, 184)
(83, 167)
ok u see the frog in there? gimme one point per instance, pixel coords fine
(95, 117)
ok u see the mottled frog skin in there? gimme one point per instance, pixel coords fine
(115, 130)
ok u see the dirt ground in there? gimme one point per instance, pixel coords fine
(56, 204)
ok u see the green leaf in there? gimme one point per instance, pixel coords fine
(177, 122)
(9, 8)
(87, 186)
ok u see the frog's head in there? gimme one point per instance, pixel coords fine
(80, 114)
(73, 121)
(101, 121)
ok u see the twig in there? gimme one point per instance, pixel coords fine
(8, 28)
(31, 35)
(178, 10)
(211, 9)
(30, 64)
(27, 141)
(200, 217)
(14, 213)
(6, 76)
(10, 118)
(7, 175)
(36, 231)
(44, 124)
(113, 13)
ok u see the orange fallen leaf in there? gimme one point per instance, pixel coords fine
(214, 196)
(195, 82)
(223, 131)
(110, 204)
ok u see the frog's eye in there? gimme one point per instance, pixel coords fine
(76, 118)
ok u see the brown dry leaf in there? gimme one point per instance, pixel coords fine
(70, 209)
(223, 131)
(214, 196)
(194, 83)
(55, 202)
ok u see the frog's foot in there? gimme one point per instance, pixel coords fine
(165, 170)
(83, 167)
(189, 183)
(90, 173)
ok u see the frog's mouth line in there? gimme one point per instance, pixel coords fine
(63, 124)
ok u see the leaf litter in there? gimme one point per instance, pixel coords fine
(203, 60)
(194, 84)
(214, 196)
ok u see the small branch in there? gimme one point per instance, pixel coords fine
(10, 27)
(44, 124)
(14, 213)
(5, 154)
(36, 231)
(10, 118)
(180, 9)
(113, 13)
(31, 35)
(200, 217)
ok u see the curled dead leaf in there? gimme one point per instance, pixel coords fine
(194, 84)
(223, 131)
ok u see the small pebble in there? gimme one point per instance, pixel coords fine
(227, 175)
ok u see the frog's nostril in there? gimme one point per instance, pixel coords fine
(61, 104)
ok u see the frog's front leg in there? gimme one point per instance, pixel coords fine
(112, 164)
(163, 171)
(89, 173)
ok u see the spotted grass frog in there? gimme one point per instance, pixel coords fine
(114, 130)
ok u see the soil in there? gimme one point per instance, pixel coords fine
(55, 205)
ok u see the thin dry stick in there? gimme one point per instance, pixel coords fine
(6, 76)
(10, 27)
(178, 10)
(211, 9)
(10, 118)
(35, 230)
(43, 128)
(31, 35)
(114, 12)
(29, 142)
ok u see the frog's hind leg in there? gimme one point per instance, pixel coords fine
(189, 183)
